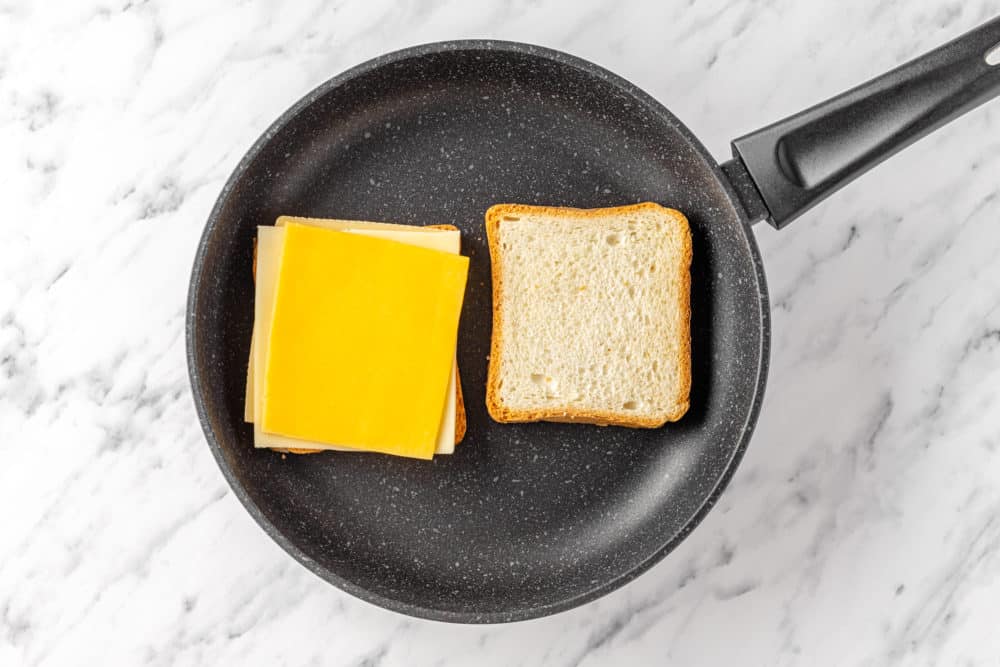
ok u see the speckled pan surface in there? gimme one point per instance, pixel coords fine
(523, 520)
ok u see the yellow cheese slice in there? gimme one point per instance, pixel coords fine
(361, 346)
(270, 242)
(442, 240)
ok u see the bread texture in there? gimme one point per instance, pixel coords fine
(591, 314)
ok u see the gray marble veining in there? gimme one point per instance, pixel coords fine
(861, 528)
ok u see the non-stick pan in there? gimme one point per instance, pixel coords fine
(526, 520)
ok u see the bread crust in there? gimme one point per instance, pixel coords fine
(461, 423)
(500, 412)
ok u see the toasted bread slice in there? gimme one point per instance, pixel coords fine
(591, 314)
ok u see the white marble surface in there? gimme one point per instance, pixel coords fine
(862, 528)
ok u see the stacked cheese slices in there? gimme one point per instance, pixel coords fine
(354, 337)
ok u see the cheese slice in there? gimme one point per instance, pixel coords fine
(342, 225)
(270, 242)
(248, 402)
(442, 239)
(361, 345)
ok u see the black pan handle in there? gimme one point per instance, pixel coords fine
(787, 168)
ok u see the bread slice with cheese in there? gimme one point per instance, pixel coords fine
(441, 237)
(591, 314)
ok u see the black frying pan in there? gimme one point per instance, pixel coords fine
(526, 520)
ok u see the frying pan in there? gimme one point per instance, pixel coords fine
(530, 519)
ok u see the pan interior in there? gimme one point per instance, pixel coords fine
(522, 520)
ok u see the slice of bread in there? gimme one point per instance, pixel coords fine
(591, 314)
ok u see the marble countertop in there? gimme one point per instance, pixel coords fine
(862, 528)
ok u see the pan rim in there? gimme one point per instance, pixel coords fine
(200, 397)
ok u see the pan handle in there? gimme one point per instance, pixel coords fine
(784, 169)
